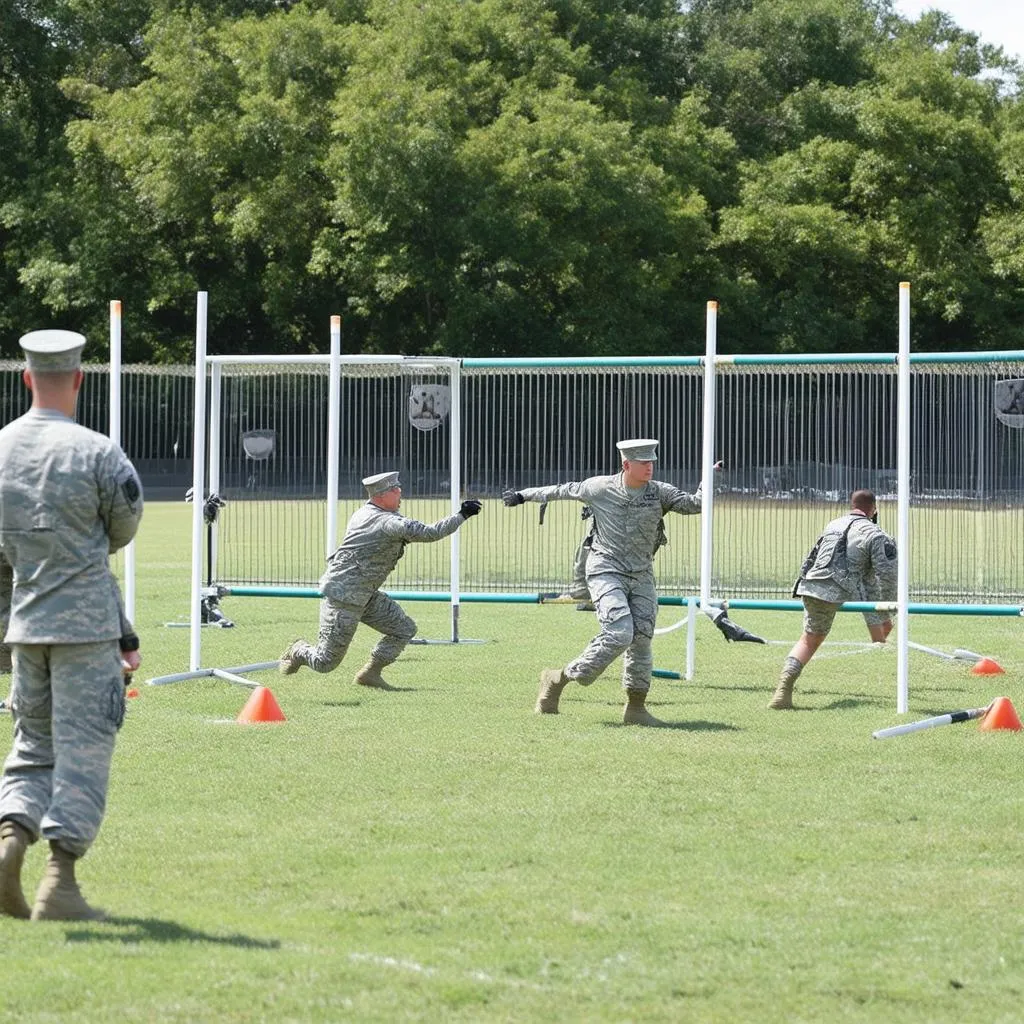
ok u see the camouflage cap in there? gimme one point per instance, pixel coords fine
(380, 483)
(639, 449)
(53, 351)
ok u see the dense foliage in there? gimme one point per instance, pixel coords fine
(507, 176)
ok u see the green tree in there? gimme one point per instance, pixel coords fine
(889, 179)
(489, 204)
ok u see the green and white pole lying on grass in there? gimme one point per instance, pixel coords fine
(930, 723)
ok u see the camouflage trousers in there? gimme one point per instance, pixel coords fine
(579, 589)
(626, 606)
(67, 704)
(338, 624)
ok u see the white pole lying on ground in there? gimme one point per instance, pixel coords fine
(929, 723)
(961, 655)
(929, 650)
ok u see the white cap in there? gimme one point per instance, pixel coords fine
(639, 449)
(53, 351)
(380, 483)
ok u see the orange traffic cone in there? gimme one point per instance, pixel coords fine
(987, 667)
(1000, 715)
(261, 707)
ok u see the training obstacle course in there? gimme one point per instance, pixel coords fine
(797, 433)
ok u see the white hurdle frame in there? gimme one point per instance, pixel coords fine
(206, 465)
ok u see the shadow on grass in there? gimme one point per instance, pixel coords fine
(765, 687)
(149, 929)
(696, 726)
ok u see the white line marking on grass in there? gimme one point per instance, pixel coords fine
(475, 974)
(390, 961)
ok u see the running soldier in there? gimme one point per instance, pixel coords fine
(628, 511)
(853, 560)
(68, 498)
(374, 541)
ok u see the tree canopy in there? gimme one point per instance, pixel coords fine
(472, 177)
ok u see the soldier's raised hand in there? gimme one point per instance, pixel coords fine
(469, 508)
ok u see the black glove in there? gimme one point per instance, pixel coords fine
(586, 512)
(470, 508)
(512, 498)
(731, 631)
(211, 507)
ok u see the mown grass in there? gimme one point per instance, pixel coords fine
(441, 853)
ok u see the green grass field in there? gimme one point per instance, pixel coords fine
(442, 854)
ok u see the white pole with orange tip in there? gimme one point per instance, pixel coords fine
(707, 477)
(115, 436)
(198, 483)
(333, 435)
(903, 503)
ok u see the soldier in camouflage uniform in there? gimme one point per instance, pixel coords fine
(853, 560)
(68, 498)
(374, 541)
(6, 586)
(628, 511)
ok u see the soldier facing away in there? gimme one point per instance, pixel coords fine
(628, 511)
(68, 498)
(374, 541)
(853, 560)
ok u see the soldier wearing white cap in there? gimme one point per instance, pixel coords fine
(68, 498)
(628, 511)
(374, 541)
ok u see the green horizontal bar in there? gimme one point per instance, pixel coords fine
(1009, 356)
(664, 673)
(913, 607)
(766, 604)
(781, 359)
(580, 362)
(811, 359)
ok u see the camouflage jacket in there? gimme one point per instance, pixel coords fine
(627, 520)
(374, 541)
(853, 560)
(68, 498)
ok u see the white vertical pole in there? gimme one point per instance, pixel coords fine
(198, 482)
(691, 635)
(115, 434)
(707, 473)
(903, 501)
(216, 383)
(455, 457)
(333, 435)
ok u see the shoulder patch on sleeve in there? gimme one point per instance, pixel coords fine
(890, 549)
(130, 487)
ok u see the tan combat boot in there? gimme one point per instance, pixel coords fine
(14, 842)
(635, 713)
(289, 664)
(369, 675)
(782, 699)
(59, 898)
(552, 682)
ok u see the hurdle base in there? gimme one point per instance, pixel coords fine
(229, 675)
(445, 643)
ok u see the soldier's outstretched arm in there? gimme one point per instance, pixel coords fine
(575, 490)
(412, 531)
